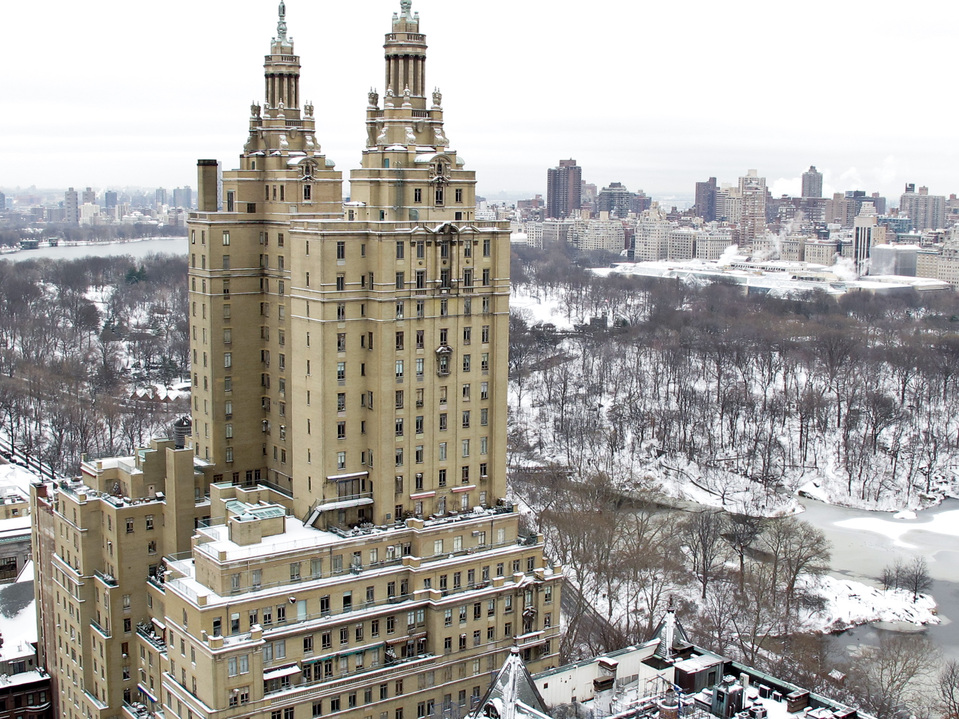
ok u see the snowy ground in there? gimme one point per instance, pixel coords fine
(850, 603)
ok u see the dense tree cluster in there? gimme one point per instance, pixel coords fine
(76, 339)
(741, 396)
(738, 579)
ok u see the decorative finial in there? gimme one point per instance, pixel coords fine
(405, 6)
(437, 98)
(281, 25)
(374, 98)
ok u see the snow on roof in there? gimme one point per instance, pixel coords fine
(13, 475)
(18, 617)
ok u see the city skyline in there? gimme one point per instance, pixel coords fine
(130, 107)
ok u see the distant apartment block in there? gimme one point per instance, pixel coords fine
(812, 183)
(926, 211)
(564, 187)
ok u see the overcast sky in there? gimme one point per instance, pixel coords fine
(113, 93)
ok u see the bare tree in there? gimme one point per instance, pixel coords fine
(702, 534)
(890, 680)
(947, 689)
(915, 577)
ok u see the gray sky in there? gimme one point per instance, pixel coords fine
(655, 95)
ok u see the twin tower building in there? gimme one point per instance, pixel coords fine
(333, 540)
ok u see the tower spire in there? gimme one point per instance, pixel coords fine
(281, 24)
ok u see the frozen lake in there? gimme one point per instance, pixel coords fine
(865, 542)
(137, 249)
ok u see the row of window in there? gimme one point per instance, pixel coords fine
(399, 367)
(419, 249)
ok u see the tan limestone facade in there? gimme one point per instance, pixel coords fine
(335, 539)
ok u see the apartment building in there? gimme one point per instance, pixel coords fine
(335, 538)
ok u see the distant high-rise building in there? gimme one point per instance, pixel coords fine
(3, 202)
(752, 217)
(640, 202)
(160, 197)
(71, 207)
(615, 200)
(812, 182)
(705, 206)
(926, 211)
(587, 200)
(867, 233)
(564, 188)
(183, 197)
(89, 197)
(109, 199)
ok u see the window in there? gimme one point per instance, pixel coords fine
(341, 250)
(399, 340)
(486, 279)
(484, 362)
(400, 280)
(341, 311)
(443, 421)
(441, 478)
(341, 342)
(420, 368)
(399, 369)
(487, 245)
(466, 419)
(341, 371)
(420, 282)
(226, 239)
(341, 430)
(466, 363)
(399, 399)
(417, 195)
(398, 425)
(400, 309)
(459, 195)
(341, 402)
(340, 282)
(442, 452)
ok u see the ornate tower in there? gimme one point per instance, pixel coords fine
(240, 259)
(406, 305)
(408, 171)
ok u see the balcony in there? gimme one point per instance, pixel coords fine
(107, 579)
(531, 639)
(148, 633)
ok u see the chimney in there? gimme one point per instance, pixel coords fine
(207, 174)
